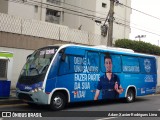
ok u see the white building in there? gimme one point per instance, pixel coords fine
(77, 14)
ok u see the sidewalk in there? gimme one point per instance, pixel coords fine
(11, 100)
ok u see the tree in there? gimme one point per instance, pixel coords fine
(138, 46)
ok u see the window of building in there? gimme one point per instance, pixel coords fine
(36, 8)
(53, 16)
(104, 5)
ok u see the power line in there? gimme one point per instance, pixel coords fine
(126, 21)
(136, 24)
(129, 26)
(78, 15)
(135, 27)
(139, 11)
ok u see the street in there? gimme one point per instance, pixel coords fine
(145, 103)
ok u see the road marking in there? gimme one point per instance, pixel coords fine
(107, 118)
(1, 118)
(13, 105)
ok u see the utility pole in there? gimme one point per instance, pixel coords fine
(111, 18)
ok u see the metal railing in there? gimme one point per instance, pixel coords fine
(42, 29)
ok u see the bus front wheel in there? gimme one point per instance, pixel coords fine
(130, 96)
(58, 101)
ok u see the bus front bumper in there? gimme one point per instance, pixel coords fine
(38, 97)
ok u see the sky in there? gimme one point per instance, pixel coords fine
(141, 21)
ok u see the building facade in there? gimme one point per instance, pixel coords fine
(77, 14)
(29, 24)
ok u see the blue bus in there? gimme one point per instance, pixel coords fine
(60, 74)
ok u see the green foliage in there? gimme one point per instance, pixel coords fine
(138, 46)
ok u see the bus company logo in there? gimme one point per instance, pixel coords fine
(147, 65)
(28, 88)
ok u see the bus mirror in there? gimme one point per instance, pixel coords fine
(63, 57)
(29, 56)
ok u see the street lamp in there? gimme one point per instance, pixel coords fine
(140, 36)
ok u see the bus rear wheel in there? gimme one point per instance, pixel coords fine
(130, 96)
(58, 101)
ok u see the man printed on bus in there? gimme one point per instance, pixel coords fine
(109, 83)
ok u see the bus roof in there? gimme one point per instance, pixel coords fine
(114, 48)
(105, 48)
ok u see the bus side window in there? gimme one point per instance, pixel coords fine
(64, 65)
(130, 64)
(93, 62)
(116, 62)
(71, 64)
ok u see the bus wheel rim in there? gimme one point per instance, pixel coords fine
(58, 102)
(130, 97)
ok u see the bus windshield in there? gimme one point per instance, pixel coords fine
(38, 62)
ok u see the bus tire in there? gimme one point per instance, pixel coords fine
(130, 96)
(58, 101)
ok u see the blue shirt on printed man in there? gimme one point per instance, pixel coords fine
(107, 86)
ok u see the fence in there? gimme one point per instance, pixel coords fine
(42, 29)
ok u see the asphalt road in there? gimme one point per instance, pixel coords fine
(147, 103)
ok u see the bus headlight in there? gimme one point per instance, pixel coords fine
(37, 89)
(40, 89)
